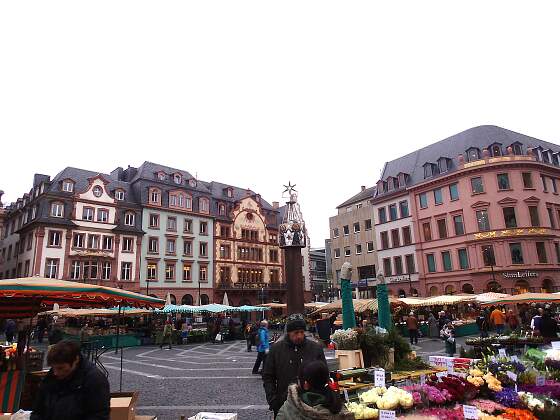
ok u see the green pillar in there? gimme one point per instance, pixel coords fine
(348, 314)
(383, 307)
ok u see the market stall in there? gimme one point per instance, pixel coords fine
(23, 298)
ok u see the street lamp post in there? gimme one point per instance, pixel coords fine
(199, 298)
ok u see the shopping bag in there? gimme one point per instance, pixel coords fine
(219, 337)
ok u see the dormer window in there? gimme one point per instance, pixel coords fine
(444, 164)
(555, 160)
(129, 219)
(161, 176)
(68, 186)
(230, 192)
(390, 183)
(155, 196)
(119, 195)
(429, 170)
(473, 154)
(546, 156)
(177, 178)
(203, 205)
(97, 191)
(222, 210)
(496, 150)
(517, 149)
(192, 182)
(57, 209)
(33, 212)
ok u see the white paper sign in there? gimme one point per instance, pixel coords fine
(502, 352)
(555, 345)
(440, 374)
(493, 358)
(379, 377)
(450, 366)
(386, 415)
(422, 379)
(470, 412)
(512, 376)
(345, 391)
(514, 359)
(540, 381)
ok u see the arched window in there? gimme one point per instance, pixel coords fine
(204, 300)
(434, 291)
(203, 205)
(119, 195)
(402, 293)
(188, 202)
(192, 182)
(187, 300)
(155, 196)
(547, 286)
(172, 299)
(181, 200)
(414, 293)
(222, 209)
(496, 150)
(473, 154)
(449, 289)
(68, 185)
(173, 200)
(57, 209)
(493, 286)
(177, 178)
(521, 286)
(161, 176)
(467, 288)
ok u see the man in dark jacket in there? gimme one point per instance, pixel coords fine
(74, 389)
(284, 359)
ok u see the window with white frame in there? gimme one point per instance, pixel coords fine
(173, 200)
(169, 271)
(129, 219)
(68, 186)
(170, 246)
(153, 245)
(203, 273)
(57, 209)
(203, 204)
(370, 246)
(126, 271)
(51, 268)
(33, 212)
(172, 224)
(151, 271)
(119, 195)
(106, 270)
(188, 202)
(187, 226)
(154, 221)
(203, 249)
(75, 270)
(154, 196)
(177, 178)
(127, 245)
(93, 241)
(181, 200)
(203, 228)
(107, 243)
(103, 215)
(55, 238)
(87, 213)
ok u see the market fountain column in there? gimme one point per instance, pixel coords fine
(292, 237)
(348, 314)
(383, 307)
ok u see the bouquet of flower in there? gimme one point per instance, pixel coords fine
(550, 388)
(487, 406)
(346, 339)
(459, 388)
(507, 397)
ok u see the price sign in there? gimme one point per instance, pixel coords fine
(470, 412)
(450, 366)
(555, 345)
(540, 381)
(440, 374)
(502, 352)
(386, 415)
(422, 379)
(512, 376)
(346, 395)
(379, 377)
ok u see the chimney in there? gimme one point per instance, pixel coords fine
(363, 187)
(248, 192)
(275, 204)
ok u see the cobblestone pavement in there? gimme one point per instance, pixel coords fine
(203, 377)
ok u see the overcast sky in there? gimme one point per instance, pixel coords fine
(256, 93)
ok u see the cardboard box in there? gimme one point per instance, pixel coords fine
(123, 405)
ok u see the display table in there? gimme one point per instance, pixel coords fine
(110, 340)
(460, 331)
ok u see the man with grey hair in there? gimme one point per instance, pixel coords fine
(263, 346)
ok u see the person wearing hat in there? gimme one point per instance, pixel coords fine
(284, 360)
(412, 325)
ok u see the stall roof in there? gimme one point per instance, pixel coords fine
(75, 313)
(525, 298)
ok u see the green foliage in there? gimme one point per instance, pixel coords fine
(375, 347)
(411, 364)
(399, 343)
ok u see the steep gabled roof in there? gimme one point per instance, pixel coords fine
(81, 180)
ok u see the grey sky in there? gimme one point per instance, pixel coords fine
(257, 93)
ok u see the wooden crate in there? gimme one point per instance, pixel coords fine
(348, 359)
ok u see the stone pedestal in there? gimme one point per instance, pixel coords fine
(294, 281)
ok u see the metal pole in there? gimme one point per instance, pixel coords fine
(199, 299)
(118, 329)
(120, 384)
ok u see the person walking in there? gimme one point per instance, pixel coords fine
(248, 332)
(263, 346)
(74, 388)
(312, 398)
(442, 320)
(167, 335)
(412, 325)
(482, 323)
(512, 321)
(498, 319)
(433, 331)
(448, 334)
(536, 322)
(285, 358)
(11, 330)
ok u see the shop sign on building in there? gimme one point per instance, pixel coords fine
(520, 274)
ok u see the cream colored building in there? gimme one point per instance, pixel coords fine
(353, 239)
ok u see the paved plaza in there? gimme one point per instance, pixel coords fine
(203, 377)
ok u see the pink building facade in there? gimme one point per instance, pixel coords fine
(486, 218)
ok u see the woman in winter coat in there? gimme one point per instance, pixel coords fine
(312, 398)
(433, 330)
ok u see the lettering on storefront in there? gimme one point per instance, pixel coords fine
(397, 279)
(509, 232)
(520, 274)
